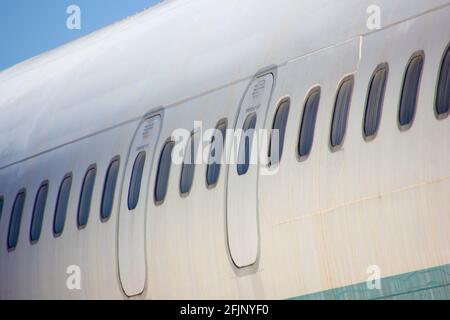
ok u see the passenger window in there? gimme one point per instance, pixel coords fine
(15, 221)
(188, 167)
(38, 213)
(62, 203)
(109, 189)
(278, 132)
(135, 181)
(374, 102)
(443, 89)
(340, 114)
(308, 124)
(215, 154)
(410, 91)
(87, 190)
(1, 207)
(162, 177)
(245, 145)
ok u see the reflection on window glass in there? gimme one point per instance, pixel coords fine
(109, 189)
(1, 207)
(410, 91)
(162, 177)
(61, 205)
(278, 132)
(340, 113)
(308, 123)
(443, 90)
(215, 154)
(188, 167)
(135, 181)
(16, 219)
(245, 145)
(38, 213)
(375, 98)
(87, 189)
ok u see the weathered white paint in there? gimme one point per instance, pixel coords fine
(322, 221)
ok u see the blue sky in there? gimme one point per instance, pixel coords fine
(30, 27)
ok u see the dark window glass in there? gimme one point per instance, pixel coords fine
(61, 205)
(188, 167)
(38, 213)
(443, 90)
(375, 98)
(87, 189)
(215, 154)
(109, 189)
(15, 221)
(1, 207)
(279, 125)
(162, 177)
(245, 146)
(308, 123)
(135, 181)
(410, 91)
(340, 113)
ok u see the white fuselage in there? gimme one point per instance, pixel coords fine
(317, 224)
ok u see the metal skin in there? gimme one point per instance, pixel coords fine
(321, 221)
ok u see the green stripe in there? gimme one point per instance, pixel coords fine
(433, 283)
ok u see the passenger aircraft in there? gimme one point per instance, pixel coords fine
(359, 206)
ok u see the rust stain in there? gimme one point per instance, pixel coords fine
(363, 199)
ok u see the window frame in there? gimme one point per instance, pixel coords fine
(435, 105)
(192, 139)
(223, 121)
(348, 77)
(158, 170)
(408, 126)
(2, 204)
(135, 163)
(13, 248)
(66, 176)
(242, 140)
(45, 183)
(281, 102)
(113, 160)
(379, 67)
(314, 89)
(92, 167)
